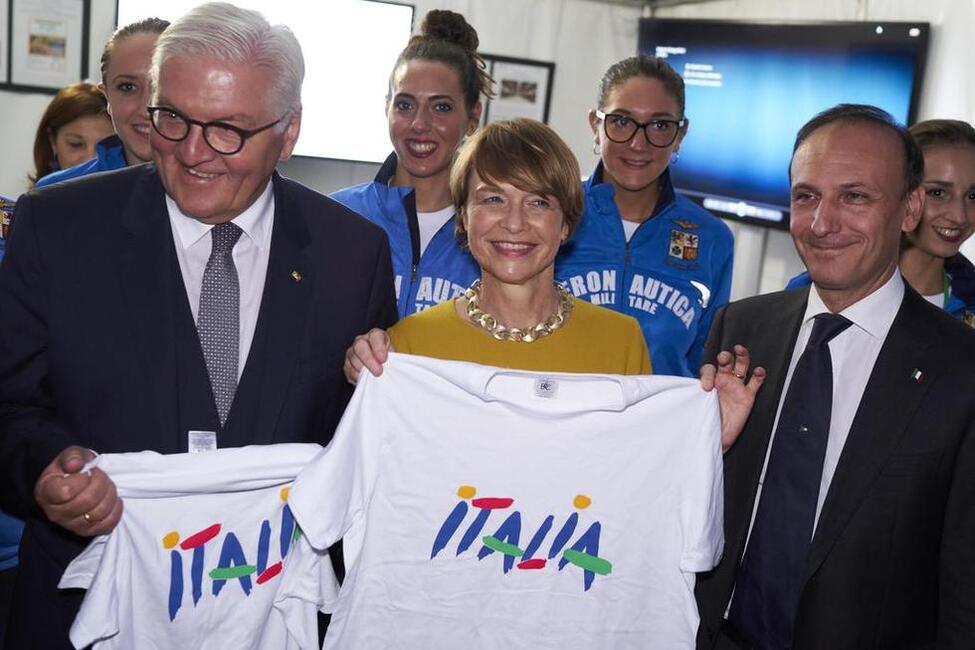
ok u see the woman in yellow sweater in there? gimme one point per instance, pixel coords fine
(517, 188)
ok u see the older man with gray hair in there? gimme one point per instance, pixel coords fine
(197, 302)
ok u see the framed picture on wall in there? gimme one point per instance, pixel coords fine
(523, 88)
(48, 45)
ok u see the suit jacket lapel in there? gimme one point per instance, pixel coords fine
(146, 257)
(890, 398)
(280, 323)
(744, 461)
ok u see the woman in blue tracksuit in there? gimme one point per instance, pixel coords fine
(641, 248)
(125, 82)
(930, 260)
(433, 103)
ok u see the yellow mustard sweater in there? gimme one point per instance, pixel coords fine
(594, 340)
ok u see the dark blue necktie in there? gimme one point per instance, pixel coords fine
(767, 586)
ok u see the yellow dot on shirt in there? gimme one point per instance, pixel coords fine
(284, 493)
(466, 491)
(581, 501)
(170, 539)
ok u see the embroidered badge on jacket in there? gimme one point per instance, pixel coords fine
(684, 245)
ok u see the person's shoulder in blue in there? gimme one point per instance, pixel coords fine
(11, 530)
(799, 281)
(443, 270)
(378, 201)
(961, 296)
(672, 274)
(109, 155)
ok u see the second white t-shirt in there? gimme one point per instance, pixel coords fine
(198, 555)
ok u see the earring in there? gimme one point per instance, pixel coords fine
(674, 157)
(595, 148)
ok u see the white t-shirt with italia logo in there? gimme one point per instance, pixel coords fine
(197, 557)
(491, 508)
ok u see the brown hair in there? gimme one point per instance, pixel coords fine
(947, 133)
(446, 37)
(77, 100)
(522, 152)
(650, 67)
(147, 26)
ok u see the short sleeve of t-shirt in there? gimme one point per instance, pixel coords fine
(308, 586)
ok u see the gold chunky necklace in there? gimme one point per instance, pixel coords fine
(490, 324)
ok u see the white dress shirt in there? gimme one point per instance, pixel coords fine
(853, 353)
(193, 245)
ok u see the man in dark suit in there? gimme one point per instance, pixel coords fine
(198, 302)
(850, 494)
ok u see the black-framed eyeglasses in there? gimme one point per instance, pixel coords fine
(621, 128)
(223, 138)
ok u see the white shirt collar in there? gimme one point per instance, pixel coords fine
(254, 221)
(874, 314)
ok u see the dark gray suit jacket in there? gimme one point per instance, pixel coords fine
(892, 561)
(98, 346)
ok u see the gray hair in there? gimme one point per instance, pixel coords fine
(222, 31)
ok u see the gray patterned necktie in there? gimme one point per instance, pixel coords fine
(218, 320)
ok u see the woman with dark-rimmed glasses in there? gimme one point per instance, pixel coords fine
(641, 248)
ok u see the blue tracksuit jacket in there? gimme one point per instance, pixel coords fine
(441, 273)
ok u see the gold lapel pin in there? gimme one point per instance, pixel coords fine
(296, 276)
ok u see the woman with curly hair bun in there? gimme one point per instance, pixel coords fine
(433, 103)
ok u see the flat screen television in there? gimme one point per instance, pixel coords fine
(751, 86)
(349, 47)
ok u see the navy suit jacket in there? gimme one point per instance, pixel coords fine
(892, 560)
(98, 347)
